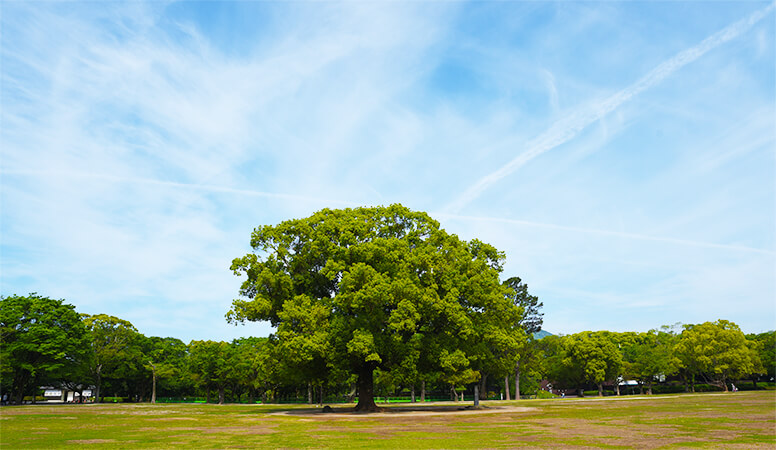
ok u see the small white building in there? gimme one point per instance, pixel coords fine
(58, 395)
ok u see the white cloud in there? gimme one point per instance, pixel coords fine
(570, 126)
(140, 148)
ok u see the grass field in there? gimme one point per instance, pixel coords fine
(742, 420)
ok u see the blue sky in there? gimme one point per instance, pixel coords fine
(622, 154)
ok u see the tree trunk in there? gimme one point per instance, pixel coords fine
(207, 395)
(600, 389)
(309, 393)
(422, 391)
(649, 388)
(221, 395)
(476, 395)
(20, 381)
(617, 386)
(484, 386)
(641, 387)
(366, 388)
(453, 393)
(153, 385)
(506, 386)
(98, 385)
(517, 381)
(412, 393)
(321, 394)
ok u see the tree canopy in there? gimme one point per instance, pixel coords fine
(383, 287)
(718, 351)
(39, 336)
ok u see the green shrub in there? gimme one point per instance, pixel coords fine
(666, 389)
(750, 386)
(545, 394)
(595, 393)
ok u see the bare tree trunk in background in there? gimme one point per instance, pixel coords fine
(412, 393)
(309, 393)
(423, 391)
(517, 381)
(506, 386)
(153, 385)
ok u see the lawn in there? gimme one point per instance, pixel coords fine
(735, 420)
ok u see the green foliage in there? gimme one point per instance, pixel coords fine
(358, 289)
(211, 365)
(42, 338)
(542, 394)
(765, 346)
(717, 351)
(531, 320)
(594, 356)
(115, 348)
(649, 355)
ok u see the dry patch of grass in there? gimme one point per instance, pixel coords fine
(741, 420)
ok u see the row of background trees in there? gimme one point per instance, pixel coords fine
(45, 342)
(365, 301)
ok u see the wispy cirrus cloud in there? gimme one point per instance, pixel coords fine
(142, 142)
(615, 234)
(571, 125)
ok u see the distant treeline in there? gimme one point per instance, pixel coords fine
(45, 342)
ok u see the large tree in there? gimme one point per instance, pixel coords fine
(594, 356)
(167, 360)
(113, 343)
(765, 345)
(717, 351)
(40, 336)
(212, 365)
(648, 356)
(530, 324)
(382, 287)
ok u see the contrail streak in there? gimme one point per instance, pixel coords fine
(173, 184)
(642, 237)
(570, 126)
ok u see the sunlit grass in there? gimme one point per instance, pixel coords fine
(744, 419)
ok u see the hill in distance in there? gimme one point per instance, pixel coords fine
(540, 334)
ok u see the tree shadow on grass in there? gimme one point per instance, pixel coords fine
(419, 410)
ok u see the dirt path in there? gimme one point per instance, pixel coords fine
(406, 411)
